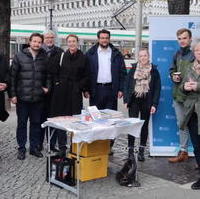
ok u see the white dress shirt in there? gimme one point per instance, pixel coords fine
(104, 63)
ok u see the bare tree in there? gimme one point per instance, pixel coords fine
(5, 27)
(179, 7)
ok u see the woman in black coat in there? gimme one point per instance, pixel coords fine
(141, 95)
(70, 79)
(3, 85)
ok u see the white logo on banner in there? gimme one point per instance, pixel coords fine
(193, 25)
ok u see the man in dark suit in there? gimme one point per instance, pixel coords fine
(107, 73)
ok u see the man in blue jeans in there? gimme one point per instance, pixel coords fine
(29, 85)
(181, 61)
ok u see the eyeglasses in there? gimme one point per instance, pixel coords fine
(49, 37)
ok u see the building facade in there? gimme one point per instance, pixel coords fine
(87, 13)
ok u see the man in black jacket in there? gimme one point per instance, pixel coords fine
(3, 85)
(107, 73)
(52, 51)
(29, 85)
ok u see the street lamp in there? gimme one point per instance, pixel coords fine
(51, 2)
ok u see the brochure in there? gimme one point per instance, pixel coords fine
(94, 112)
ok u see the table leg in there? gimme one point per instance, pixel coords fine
(78, 170)
(49, 154)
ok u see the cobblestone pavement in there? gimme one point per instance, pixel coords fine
(26, 179)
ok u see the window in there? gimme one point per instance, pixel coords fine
(145, 21)
(105, 23)
(83, 3)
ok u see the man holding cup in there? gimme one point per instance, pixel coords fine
(181, 61)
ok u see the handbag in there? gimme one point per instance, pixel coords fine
(4, 116)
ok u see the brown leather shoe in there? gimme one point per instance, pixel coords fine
(182, 156)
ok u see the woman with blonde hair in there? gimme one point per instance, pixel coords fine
(141, 96)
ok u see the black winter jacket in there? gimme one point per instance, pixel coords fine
(29, 75)
(155, 87)
(4, 69)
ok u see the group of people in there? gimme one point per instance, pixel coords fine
(45, 81)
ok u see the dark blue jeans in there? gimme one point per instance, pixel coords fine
(104, 98)
(195, 137)
(33, 112)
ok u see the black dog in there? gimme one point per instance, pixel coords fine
(127, 175)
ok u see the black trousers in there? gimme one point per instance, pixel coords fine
(58, 136)
(139, 105)
(195, 137)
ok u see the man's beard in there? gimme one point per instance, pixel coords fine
(35, 49)
(103, 46)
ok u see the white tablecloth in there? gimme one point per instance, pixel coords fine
(98, 131)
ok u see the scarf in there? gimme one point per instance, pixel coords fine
(196, 67)
(48, 50)
(143, 78)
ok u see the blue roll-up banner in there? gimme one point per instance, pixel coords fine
(164, 135)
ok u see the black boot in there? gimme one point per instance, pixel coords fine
(62, 152)
(141, 154)
(131, 153)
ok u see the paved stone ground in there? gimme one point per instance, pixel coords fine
(26, 179)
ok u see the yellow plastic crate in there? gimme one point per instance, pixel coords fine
(96, 148)
(92, 167)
